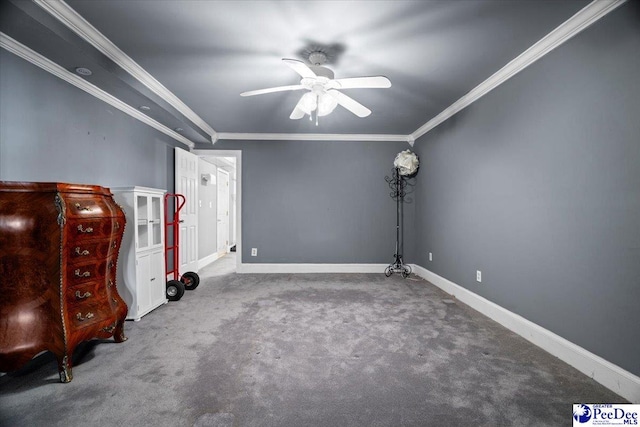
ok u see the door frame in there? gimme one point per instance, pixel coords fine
(238, 214)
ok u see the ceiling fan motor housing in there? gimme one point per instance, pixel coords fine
(317, 58)
(322, 71)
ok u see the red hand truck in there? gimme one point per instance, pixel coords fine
(189, 280)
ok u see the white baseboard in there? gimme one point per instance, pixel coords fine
(207, 260)
(606, 373)
(311, 268)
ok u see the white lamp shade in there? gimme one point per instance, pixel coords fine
(406, 162)
(326, 104)
(308, 102)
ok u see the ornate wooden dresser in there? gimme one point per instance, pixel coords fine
(59, 246)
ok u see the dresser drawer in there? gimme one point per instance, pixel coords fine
(87, 294)
(90, 228)
(87, 206)
(91, 271)
(83, 315)
(95, 250)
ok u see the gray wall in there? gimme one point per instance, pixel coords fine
(538, 185)
(316, 201)
(53, 131)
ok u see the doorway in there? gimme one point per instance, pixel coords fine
(220, 227)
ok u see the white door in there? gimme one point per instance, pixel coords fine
(186, 183)
(223, 212)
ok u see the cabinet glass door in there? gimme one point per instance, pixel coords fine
(156, 221)
(142, 226)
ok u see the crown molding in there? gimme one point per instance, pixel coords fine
(46, 64)
(574, 25)
(312, 137)
(70, 18)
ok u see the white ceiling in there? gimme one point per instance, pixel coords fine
(208, 52)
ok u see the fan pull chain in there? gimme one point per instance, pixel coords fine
(316, 118)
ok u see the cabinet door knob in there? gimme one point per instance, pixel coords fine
(82, 296)
(88, 316)
(85, 230)
(78, 274)
(81, 253)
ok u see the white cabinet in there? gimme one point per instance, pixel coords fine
(141, 269)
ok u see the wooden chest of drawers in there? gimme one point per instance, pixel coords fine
(59, 247)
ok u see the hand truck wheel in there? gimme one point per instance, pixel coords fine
(175, 290)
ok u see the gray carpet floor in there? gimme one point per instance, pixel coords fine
(304, 350)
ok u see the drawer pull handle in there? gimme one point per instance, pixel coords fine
(85, 230)
(82, 208)
(110, 283)
(82, 296)
(110, 265)
(114, 244)
(109, 329)
(88, 316)
(85, 274)
(117, 226)
(81, 253)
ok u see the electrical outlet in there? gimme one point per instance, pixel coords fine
(430, 256)
(254, 251)
(479, 276)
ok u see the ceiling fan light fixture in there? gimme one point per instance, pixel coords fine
(308, 102)
(326, 104)
(324, 91)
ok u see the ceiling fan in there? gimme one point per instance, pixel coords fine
(323, 94)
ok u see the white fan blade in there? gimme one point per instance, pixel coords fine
(297, 112)
(350, 104)
(376, 82)
(272, 89)
(300, 68)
